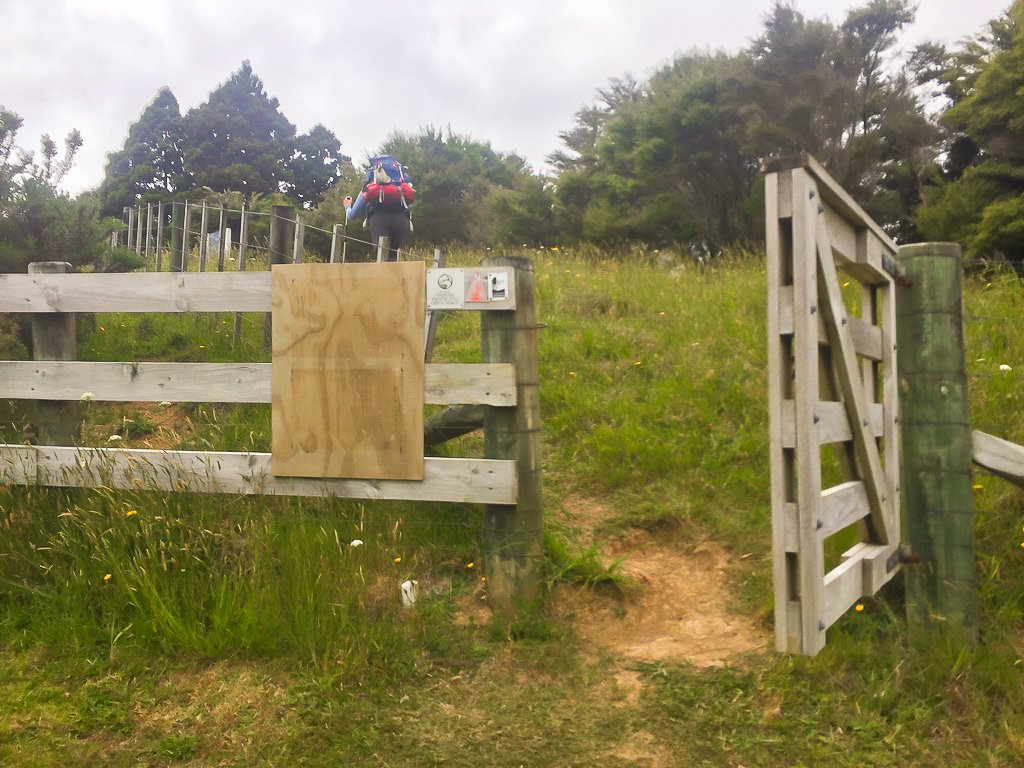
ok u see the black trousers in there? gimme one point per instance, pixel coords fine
(393, 225)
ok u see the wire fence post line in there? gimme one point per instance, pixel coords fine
(166, 229)
(183, 262)
(159, 235)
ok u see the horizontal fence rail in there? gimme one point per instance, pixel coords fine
(55, 294)
(480, 481)
(153, 292)
(444, 383)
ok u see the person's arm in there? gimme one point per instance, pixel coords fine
(353, 210)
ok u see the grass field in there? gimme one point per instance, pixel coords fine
(165, 629)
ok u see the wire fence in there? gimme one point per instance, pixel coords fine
(201, 237)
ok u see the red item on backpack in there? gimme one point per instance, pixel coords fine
(390, 193)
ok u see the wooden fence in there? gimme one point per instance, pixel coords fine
(832, 388)
(505, 383)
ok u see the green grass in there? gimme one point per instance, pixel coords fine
(167, 629)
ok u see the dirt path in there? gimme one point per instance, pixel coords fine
(676, 607)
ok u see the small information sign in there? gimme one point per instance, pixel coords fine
(446, 288)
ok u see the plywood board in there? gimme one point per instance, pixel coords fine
(347, 380)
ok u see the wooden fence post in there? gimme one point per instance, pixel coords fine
(177, 236)
(159, 236)
(131, 229)
(149, 230)
(299, 248)
(383, 246)
(430, 332)
(243, 255)
(514, 536)
(335, 240)
(186, 236)
(282, 219)
(221, 232)
(204, 222)
(936, 450)
(138, 231)
(53, 338)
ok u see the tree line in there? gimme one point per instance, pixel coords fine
(930, 141)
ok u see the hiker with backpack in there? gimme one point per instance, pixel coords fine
(386, 195)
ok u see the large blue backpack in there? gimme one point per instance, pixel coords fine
(388, 184)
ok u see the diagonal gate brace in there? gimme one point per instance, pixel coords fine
(852, 388)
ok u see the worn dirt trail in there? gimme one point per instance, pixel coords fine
(676, 607)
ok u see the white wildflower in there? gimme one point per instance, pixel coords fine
(87, 397)
(113, 438)
(356, 543)
(1005, 367)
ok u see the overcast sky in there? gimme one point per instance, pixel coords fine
(511, 72)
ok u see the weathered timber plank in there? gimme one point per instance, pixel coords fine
(844, 586)
(137, 292)
(156, 292)
(833, 425)
(793, 611)
(880, 562)
(890, 406)
(998, 456)
(137, 382)
(790, 526)
(843, 236)
(482, 481)
(843, 505)
(784, 523)
(850, 381)
(470, 384)
(867, 338)
(444, 383)
(807, 382)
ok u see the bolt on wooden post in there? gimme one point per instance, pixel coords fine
(514, 535)
(53, 338)
(936, 453)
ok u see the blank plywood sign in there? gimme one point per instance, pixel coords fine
(347, 377)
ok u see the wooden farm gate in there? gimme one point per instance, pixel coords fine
(832, 389)
(507, 481)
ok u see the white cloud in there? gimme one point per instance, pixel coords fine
(513, 74)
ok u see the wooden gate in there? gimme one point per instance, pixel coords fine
(833, 401)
